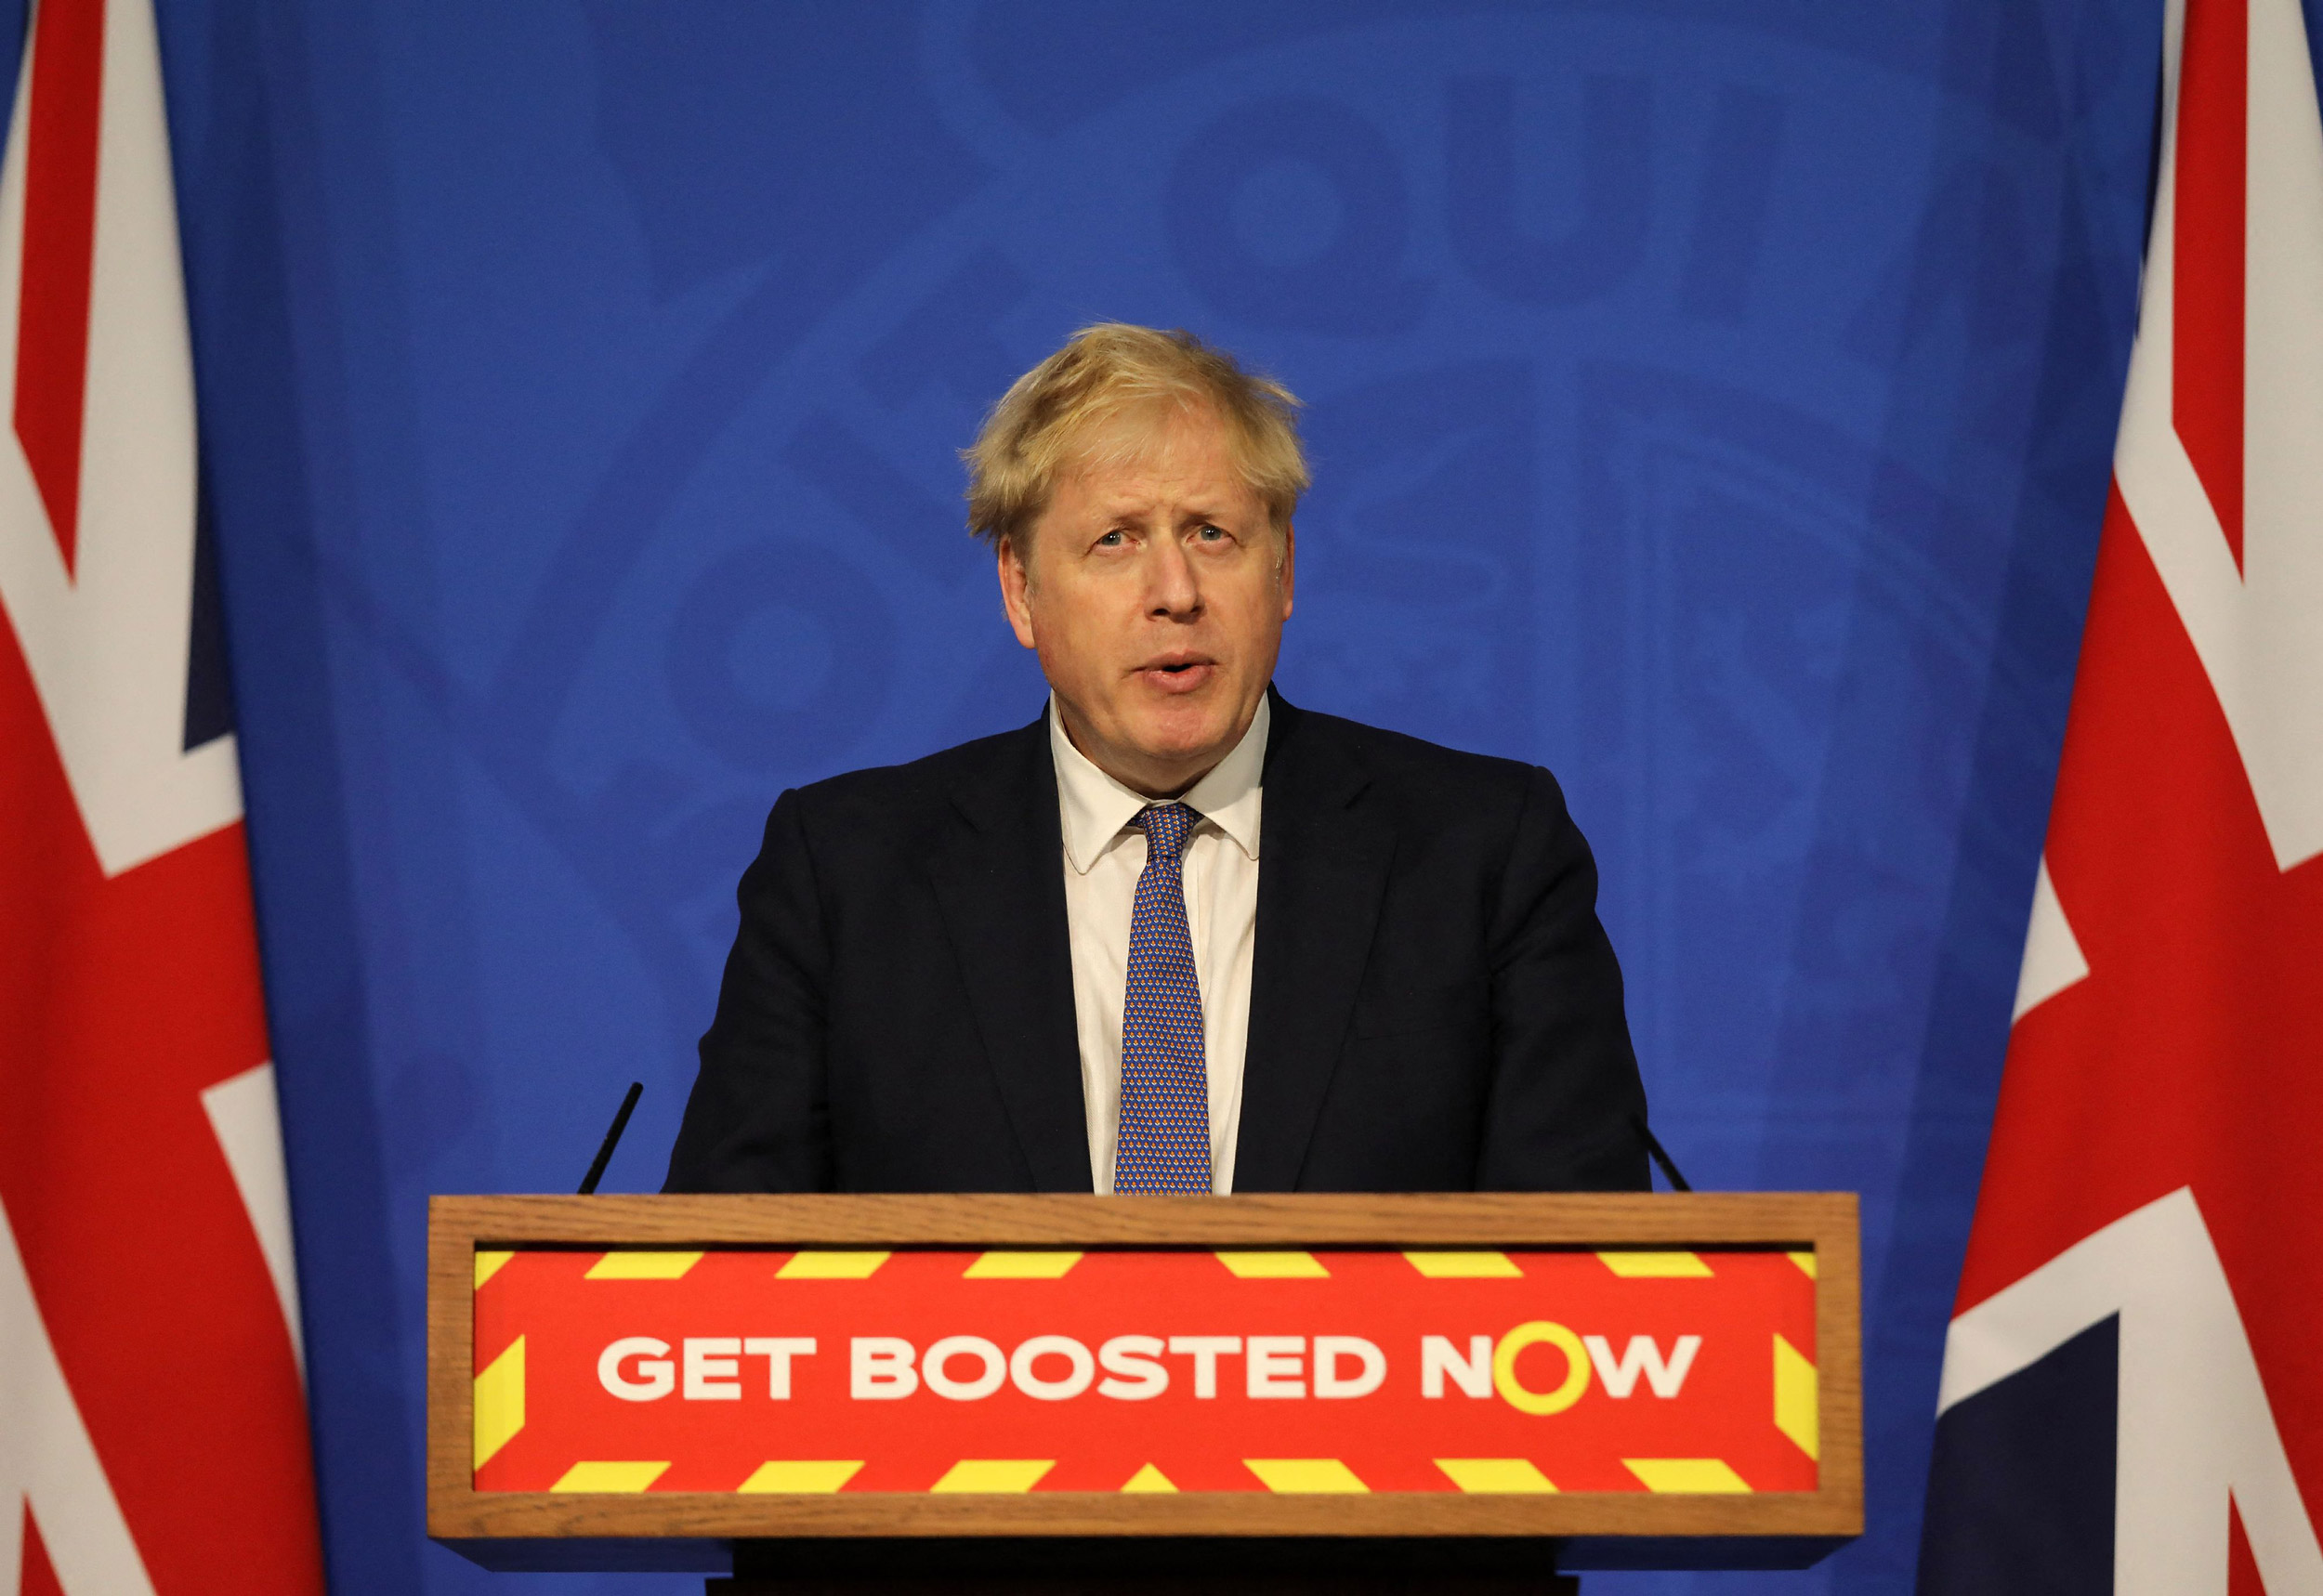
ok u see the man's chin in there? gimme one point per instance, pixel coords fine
(1181, 741)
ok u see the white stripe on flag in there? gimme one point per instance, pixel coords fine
(247, 1122)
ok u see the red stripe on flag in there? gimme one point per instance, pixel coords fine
(2242, 1567)
(2206, 310)
(36, 1576)
(68, 47)
(121, 1001)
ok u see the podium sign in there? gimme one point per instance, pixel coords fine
(1145, 1371)
(750, 1367)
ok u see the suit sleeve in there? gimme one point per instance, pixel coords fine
(1565, 1087)
(758, 1119)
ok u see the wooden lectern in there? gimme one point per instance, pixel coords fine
(1062, 1393)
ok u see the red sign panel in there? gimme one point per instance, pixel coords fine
(1145, 1370)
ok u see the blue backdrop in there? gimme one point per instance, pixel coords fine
(1711, 399)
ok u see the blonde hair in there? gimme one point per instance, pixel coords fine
(1047, 423)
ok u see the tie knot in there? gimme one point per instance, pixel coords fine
(1165, 826)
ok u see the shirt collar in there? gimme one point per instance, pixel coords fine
(1096, 808)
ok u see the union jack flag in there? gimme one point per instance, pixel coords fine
(152, 1419)
(2131, 1399)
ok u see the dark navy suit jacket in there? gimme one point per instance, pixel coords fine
(1434, 1005)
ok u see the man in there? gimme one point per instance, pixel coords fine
(1175, 935)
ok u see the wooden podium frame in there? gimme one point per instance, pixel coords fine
(694, 1530)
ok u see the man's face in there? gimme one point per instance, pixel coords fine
(1155, 597)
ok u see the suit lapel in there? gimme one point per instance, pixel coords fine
(999, 876)
(1322, 868)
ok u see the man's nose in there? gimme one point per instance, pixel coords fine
(1171, 588)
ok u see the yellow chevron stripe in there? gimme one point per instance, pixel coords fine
(1148, 1479)
(1795, 1404)
(1464, 1265)
(994, 1475)
(499, 1402)
(1656, 1265)
(1275, 1265)
(642, 1266)
(1805, 1260)
(1687, 1476)
(831, 1266)
(799, 1476)
(1020, 1266)
(488, 1264)
(1496, 1476)
(608, 1478)
(1305, 1476)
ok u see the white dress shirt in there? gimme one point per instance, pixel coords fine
(1104, 857)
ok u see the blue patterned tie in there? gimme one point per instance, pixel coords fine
(1164, 1142)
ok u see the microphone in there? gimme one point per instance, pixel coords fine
(1653, 1149)
(613, 1139)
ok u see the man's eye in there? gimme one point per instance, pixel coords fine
(1209, 534)
(1111, 541)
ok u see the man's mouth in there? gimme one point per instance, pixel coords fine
(1177, 672)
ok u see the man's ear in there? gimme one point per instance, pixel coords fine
(1016, 591)
(1286, 567)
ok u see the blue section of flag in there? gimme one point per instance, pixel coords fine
(2020, 1489)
